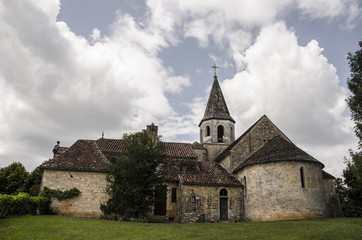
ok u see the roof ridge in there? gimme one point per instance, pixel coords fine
(176, 142)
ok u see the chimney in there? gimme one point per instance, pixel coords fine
(152, 131)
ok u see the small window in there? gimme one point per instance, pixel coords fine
(302, 177)
(207, 131)
(223, 193)
(220, 133)
(174, 195)
(245, 189)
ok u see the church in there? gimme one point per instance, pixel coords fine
(258, 176)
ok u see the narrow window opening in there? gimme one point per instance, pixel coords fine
(207, 131)
(220, 133)
(302, 177)
(174, 195)
(245, 188)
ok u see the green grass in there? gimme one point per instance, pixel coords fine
(60, 227)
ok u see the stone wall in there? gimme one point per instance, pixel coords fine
(172, 207)
(254, 139)
(214, 149)
(202, 203)
(91, 184)
(201, 155)
(273, 191)
(229, 131)
(332, 201)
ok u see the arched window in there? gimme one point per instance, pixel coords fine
(302, 177)
(223, 193)
(207, 131)
(223, 205)
(220, 133)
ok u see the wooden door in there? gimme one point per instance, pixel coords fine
(223, 209)
(160, 205)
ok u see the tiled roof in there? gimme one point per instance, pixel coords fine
(181, 165)
(210, 174)
(172, 168)
(113, 146)
(83, 155)
(277, 149)
(179, 150)
(173, 150)
(191, 172)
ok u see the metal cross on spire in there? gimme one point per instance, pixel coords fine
(215, 67)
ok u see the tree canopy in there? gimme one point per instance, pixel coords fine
(349, 189)
(355, 86)
(135, 177)
(13, 178)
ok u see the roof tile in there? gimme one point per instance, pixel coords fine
(277, 149)
(83, 155)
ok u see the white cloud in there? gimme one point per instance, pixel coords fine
(216, 19)
(55, 85)
(297, 88)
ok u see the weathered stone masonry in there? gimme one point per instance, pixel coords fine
(91, 184)
(202, 203)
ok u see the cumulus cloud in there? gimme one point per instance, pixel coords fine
(232, 25)
(56, 85)
(296, 87)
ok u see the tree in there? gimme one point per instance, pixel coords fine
(349, 190)
(32, 183)
(135, 177)
(13, 178)
(355, 86)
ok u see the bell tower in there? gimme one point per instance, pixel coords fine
(217, 127)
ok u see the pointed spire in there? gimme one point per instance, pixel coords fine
(216, 106)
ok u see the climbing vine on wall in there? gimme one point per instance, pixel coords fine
(59, 194)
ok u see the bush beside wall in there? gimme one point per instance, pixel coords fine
(22, 204)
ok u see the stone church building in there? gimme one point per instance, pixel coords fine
(259, 176)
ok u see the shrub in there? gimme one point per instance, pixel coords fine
(22, 204)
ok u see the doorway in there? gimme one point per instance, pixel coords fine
(223, 205)
(160, 204)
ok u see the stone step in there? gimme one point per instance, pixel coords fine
(159, 219)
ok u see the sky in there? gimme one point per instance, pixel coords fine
(73, 69)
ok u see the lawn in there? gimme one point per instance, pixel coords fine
(60, 227)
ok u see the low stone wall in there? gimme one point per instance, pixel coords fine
(202, 203)
(91, 184)
(273, 191)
